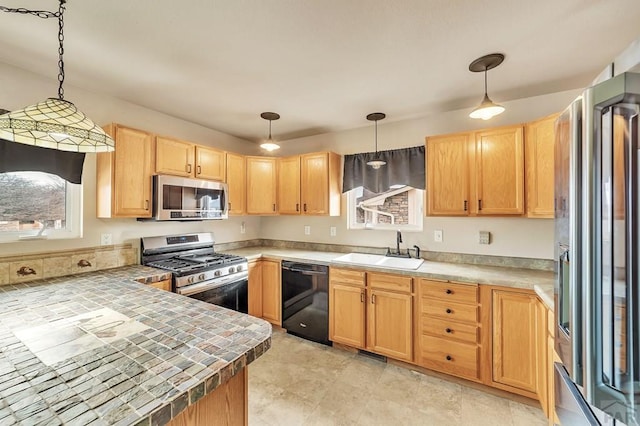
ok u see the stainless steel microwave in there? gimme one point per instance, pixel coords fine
(176, 198)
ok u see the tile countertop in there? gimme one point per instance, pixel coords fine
(531, 279)
(100, 348)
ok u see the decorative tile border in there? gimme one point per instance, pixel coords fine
(472, 259)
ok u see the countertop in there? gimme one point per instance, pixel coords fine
(99, 348)
(542, 282)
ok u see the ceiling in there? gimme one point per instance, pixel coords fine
(322, 64)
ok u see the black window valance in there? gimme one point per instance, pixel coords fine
(404, 167)
(19, 157)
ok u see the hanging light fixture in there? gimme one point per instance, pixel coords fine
(376, 163)
(269, 144)
(487, 108)
(54, 123)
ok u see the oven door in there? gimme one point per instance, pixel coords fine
(232, 295)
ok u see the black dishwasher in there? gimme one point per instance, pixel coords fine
(305, 301)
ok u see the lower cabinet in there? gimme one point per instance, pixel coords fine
(265, 291)
(372, 311)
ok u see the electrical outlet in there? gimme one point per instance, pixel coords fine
(106, 239)
(243, 228)
(307, 230)
(485, 237)
(332, 231)
(437, 235)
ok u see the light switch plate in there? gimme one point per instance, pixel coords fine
(485, 237)
(307, 230)
(243, 228)
(332, 231)
(106, 239)
(437, 235)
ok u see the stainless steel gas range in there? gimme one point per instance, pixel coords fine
(198, 271)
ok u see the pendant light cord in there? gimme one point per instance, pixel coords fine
(376, 132)
(45, 14)
(485, 81)
(270, 131)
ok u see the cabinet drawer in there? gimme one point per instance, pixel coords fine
(461, 293)
(347, 276)
(449, 310)
(449, 329)
(389, 282)
(460, 359)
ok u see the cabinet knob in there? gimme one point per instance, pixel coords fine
(466, 205)
(305, 207)
(199, 170)
(479, 204)
(146, 204)
(449, 291)
(274, 207)
(297, 207)
(373, 298)
(449, 310)
(448, 357)
(188, 168)
(448, 330)
(362, 297)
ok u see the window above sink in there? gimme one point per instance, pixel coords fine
(399, 208)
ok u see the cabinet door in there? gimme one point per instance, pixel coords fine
(514, 339)
(315, 184)
(448, 175)
(347, 314)
(500, 172)
(236, 180)
(271, 291)
(289, 185)
(541, 357)
(210, 163)
(255, 289)
(174, 157)
(132, 173)
(261, 185)
(539, 142)
(389, 323)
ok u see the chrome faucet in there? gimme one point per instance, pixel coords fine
(398, 241)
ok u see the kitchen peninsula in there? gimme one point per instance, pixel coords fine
(99, 348)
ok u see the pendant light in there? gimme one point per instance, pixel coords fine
(54, 123)
(487, 108)
(376, 163)
(269, 144)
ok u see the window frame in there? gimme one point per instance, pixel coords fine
(74, 221)
(416, 213)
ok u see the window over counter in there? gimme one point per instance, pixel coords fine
(39, 204)
(399, 208)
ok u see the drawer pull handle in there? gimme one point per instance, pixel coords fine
(449, 291)
(448, 330)
(449, 358)
(449, 311)
(362, 297)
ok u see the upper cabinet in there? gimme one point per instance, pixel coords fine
(500, 171)
(309, 184)
(236, 181)
(180, 158)
(448, 175)
(261, 185)
(123, 177)
(539, 147)
(506, 171)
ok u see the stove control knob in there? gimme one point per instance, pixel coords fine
(231, 269)
(201, 277)
(239, 268)
(190, 280)
(217, 273)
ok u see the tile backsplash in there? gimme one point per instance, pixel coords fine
(19, 269)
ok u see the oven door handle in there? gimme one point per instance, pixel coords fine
(209, 285)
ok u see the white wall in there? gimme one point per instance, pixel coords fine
(19, 88)
(518, 237)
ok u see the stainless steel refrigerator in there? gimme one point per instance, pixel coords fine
(597, 223)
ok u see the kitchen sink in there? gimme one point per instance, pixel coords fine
(379, 260)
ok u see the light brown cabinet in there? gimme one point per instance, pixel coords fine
(236, 182)
(542, 358)
(123, 177)
(162, 285)
(449, 328)
(289, 185)
(372, 311)
(271, 292)
(539, 144)
(261, 185)
(181, 158)
(476, 173)
(309, 184)
(255, 289)
(514, 325)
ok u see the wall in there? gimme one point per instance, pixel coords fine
(517, 237)
(19, 88)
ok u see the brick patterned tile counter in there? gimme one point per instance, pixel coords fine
(101, 349)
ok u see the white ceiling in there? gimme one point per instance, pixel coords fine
(322, 64)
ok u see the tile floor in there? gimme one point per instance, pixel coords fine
(298, 382)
